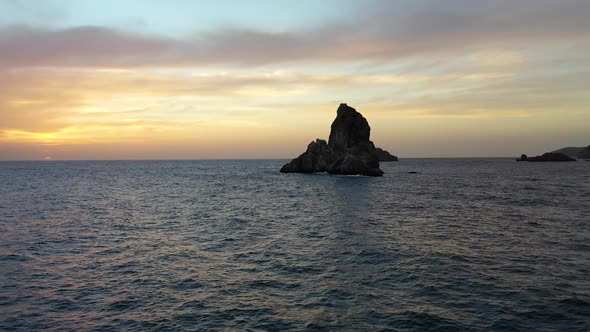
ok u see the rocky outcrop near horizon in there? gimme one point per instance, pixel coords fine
(575, 152)
(349, 150)
(317, 158)
(547, 157)
(384, 155)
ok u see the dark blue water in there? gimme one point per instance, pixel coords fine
(234, 245)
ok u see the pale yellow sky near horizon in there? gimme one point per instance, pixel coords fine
(451, 89)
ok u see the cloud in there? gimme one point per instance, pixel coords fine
(45, 101)
(527, 94)
(386, 31)
(48, 99)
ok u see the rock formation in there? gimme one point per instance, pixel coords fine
(585, 153)
(384, 155)
(576, 152)
(317, 158)
(550, 156)
(570, 151)
(349, 150)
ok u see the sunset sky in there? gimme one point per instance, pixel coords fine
(147, 79)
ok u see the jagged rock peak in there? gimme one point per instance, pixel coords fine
(349, 150)
(350, 130)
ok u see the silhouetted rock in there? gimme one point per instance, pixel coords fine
(350, 130)
(523, 157)
(570, 151)
(585, 153)
(317, 158)
(576, 152)
(349, 150)
(353, 151)
(384, 155)
(550, 156)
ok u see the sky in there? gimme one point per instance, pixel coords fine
(188, 79)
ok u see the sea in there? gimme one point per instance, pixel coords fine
(234, 245)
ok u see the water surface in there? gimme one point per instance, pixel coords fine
(464, 244)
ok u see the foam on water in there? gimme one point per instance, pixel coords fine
(465, 244)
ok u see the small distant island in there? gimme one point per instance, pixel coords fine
(565, 154)
(546, 157)
(349, 150)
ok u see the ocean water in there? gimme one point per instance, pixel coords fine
(464, 244)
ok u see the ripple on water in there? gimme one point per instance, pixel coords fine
(234, 245)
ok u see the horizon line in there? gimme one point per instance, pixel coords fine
(233, 159)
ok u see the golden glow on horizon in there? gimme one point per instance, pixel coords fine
(459, 78)
(229, 108)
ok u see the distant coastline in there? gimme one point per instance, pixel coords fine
(509, 158)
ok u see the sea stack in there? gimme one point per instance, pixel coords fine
(349, 151)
